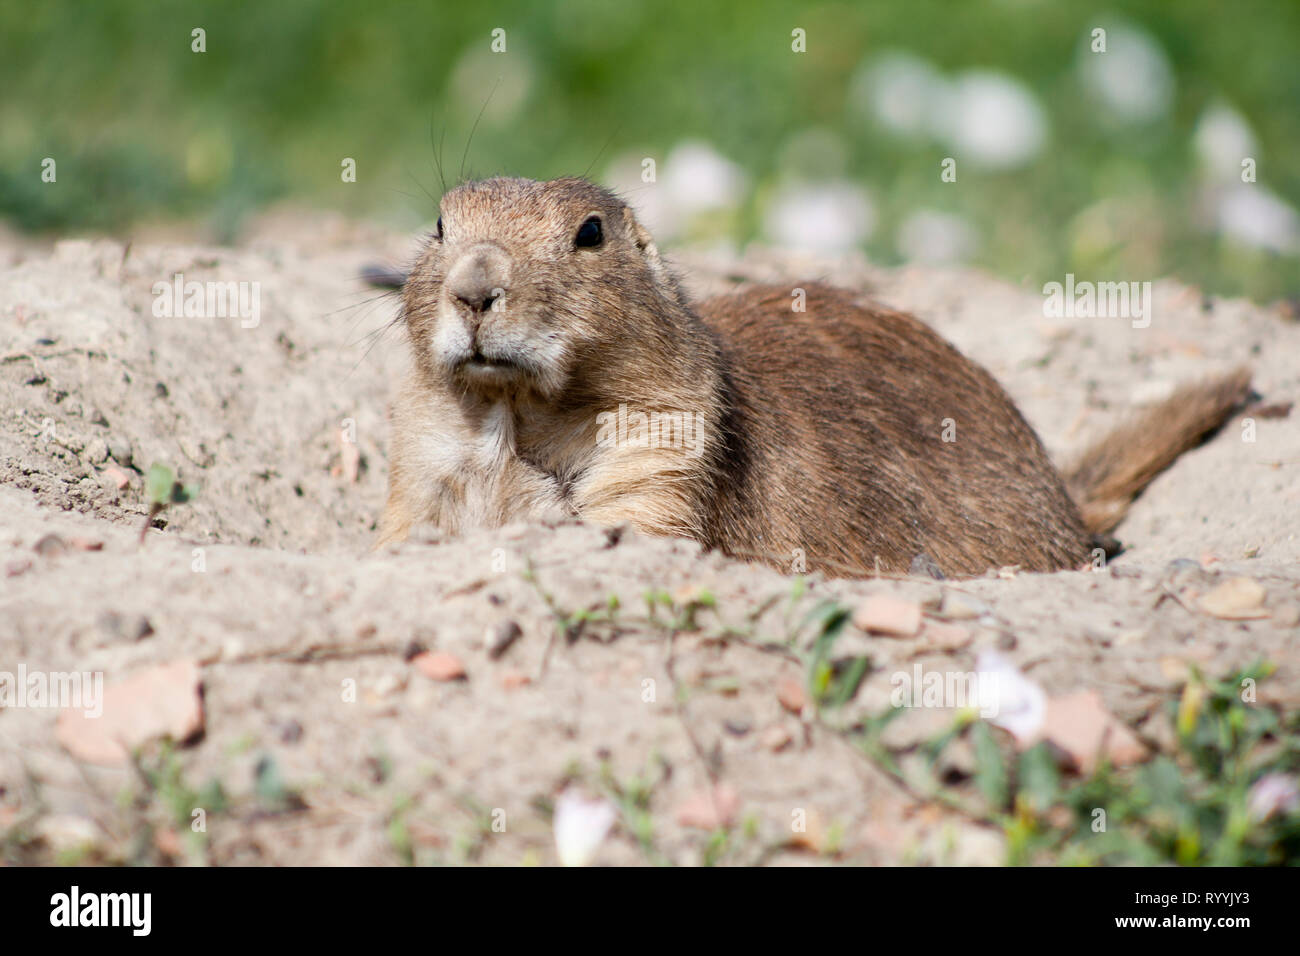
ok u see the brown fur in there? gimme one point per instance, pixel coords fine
(1109, 474)
(822, 432)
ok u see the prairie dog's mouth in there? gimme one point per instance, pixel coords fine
(489, 369)
(478, 359)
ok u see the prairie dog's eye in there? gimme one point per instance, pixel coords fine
(589, 233)
(437, 230)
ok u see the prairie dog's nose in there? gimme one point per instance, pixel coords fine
(480, 276)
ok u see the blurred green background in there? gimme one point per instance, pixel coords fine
(1115, 165)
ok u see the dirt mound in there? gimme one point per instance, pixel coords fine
(325, 739)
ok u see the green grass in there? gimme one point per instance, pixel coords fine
(144, 129)
(1188, 805)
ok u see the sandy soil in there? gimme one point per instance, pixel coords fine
(266, 580)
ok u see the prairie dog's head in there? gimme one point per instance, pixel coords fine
(520, 280)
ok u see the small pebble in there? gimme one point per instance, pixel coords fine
(50, 545)
(500, 636)
(117, 476)
(946, 637)
(15, 568)
(887, 614)
(962, 607)
(127, 627)
(97, 451)
(709, 809)
(792, 695)
(775, 738)
(121, 451)
(1235, 599)
(512, 680)
(439, 665)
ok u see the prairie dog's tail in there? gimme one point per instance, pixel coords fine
(1106, 478)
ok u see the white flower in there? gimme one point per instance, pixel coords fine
(900, 92)
(581, 824)
(1007, 698)
(1132, 80)
(698, 178)
(647, 199)
(992, 120)
(823, 217)
(1251, 215)
(1272, 795)
(1223, 139)
(986, 117)
(694, 179)
(935, 237)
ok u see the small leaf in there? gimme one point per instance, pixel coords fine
(1038, 778)
(158, 484)
(990, 773)
(820, 678)
(847, 678)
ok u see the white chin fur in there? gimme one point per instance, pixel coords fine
(539, 358)
(451, 341)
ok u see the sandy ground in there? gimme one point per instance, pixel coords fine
(266, 581)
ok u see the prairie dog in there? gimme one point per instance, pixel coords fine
(558, 368)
